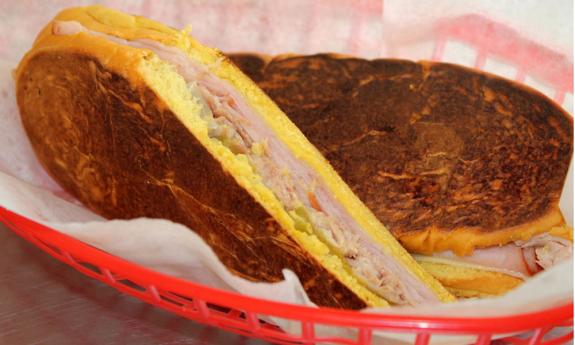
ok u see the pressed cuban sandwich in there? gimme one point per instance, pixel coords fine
(136, 119)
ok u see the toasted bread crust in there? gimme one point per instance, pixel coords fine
(447, 157)
(151, 165)
(470, 281)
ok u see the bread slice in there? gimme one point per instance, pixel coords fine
(447, 157)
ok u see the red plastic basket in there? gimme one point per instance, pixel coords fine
(243, 315)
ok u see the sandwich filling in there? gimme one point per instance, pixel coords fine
(524, 258)
(314, 209)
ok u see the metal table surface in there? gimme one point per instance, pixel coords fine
(43, 301)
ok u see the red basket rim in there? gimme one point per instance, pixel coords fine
(27, 228)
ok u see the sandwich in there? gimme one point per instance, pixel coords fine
(463, 167)
(136, 119)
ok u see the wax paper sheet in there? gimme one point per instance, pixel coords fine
(363, 28)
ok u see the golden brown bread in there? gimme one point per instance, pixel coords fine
(468, 281)
(446, 157)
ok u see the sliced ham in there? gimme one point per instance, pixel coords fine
(232, 121)
(549, 250)
(524, 257)
(530, 261)
(508, 257)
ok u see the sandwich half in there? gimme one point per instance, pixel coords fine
(465, 168)
(136, 119)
